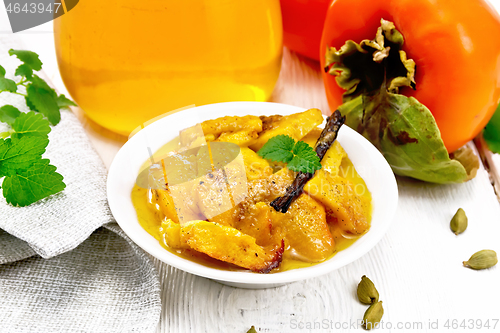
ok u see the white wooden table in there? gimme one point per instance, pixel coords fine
(417, 267)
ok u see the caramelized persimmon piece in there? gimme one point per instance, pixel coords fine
(239, 130)
(166, 203)
(334, 155)
(230, 245)
(241, 138)
(331, 162)
(306, 230)
(339, 195)
(258, 223)
(180, 205)
(296, 125)
(212, 195)
(229, 217)
(312, 137)
(171, 234)
(232, 124)
(255, 166)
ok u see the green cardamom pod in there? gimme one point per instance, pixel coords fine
(458, 223)
(482, 259)
(373, 315)
(367, 293)
(252, 330)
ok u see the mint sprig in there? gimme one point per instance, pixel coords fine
(40, 97)
(27, 177)
(299, 156)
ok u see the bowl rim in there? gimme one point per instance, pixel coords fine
(384, 208)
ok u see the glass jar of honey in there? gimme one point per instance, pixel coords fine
(125, 61)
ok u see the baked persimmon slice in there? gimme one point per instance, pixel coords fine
(230, 245)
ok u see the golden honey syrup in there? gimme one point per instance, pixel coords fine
(150, 217)
(126, 62)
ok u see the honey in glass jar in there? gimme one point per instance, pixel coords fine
(125, 62)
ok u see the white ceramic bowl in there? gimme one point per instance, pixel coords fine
(367, 160)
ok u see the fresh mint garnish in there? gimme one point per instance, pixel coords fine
(27, 177)
(299, 156)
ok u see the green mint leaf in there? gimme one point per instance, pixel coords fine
(7, 85)
(30, 124)
(24, 70)
(278, 149)
(300, 156)
(29, 186)
(30, 105)
(305, 159)
(491, 132)
(64, 102)
(40, 83)
(493, 144)
(43, 101)
(28, 177)
(28, 57)
(20, 154)
(8, 114)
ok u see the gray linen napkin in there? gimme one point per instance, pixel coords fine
(59, 270)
